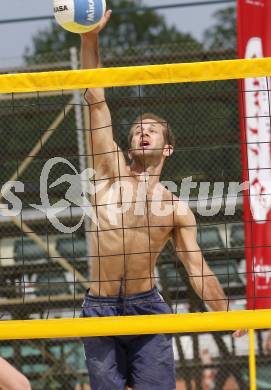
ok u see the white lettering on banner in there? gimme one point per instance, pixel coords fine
(91, 11)
(262, 274)
(258, 137)
(257, 3)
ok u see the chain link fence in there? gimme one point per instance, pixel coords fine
(44, 272)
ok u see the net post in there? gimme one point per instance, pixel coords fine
(252, 360)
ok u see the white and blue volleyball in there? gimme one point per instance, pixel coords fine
(79, 16)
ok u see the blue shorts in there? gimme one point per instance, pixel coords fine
(141, 362)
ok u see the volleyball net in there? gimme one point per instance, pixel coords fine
(46, 257)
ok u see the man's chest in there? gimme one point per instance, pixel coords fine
(129, 204)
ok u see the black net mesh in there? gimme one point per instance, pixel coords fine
(44, 272)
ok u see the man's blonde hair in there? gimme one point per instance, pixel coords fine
(168, 134)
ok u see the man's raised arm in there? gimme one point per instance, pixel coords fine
(103, 147)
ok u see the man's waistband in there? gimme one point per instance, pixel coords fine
(128, 298)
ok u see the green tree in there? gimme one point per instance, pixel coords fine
(222, 35)
(125, 31)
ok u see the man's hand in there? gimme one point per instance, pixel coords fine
(101, 25)
(239, 333)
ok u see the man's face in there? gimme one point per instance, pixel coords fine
(147, 139)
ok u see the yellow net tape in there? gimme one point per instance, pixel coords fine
(151, 324)
(136, 75)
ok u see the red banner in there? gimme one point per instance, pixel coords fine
(254, 40)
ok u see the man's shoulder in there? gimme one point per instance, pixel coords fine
(182, 213)
(112, 171)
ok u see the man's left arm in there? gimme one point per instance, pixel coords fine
(201, 277)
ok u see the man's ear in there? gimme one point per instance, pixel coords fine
(129, 154)
(168, 150)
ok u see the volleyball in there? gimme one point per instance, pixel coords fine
(79, 16)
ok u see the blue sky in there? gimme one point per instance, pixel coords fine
(15, 37)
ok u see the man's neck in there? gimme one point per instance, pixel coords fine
(153, 172)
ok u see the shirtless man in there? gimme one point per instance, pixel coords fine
(125, 247)
(11, 379)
